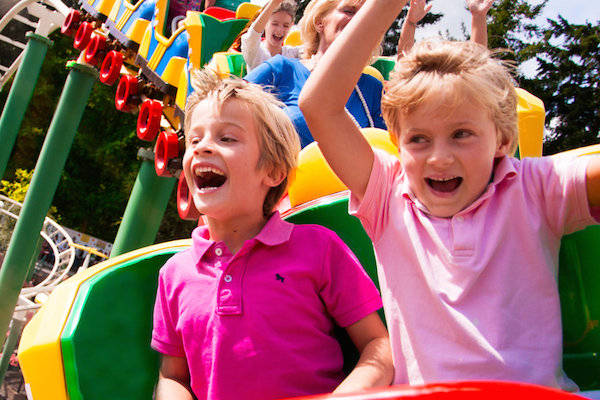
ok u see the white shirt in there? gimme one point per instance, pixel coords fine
(255, 50)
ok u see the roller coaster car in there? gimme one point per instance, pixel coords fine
(64, 355)
(162, 60)
(200, 35)
(127, 22)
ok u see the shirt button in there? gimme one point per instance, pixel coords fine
(227, 278)
(218, 251)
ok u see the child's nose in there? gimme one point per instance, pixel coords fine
(441, 156)
(204, 146)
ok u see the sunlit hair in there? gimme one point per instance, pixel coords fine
(313, 14)
(278, 141)
(288, 7)
(453, 73)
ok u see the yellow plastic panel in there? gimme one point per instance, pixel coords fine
(115, 11)
(40, 355)
(220, 65)
(145, 43)
(531, 114)
(194, 29)
(374, 72)
(246, 11)
(105, 7)
(182, 89)
(583, 151)
(313, 177)
(137, 30)
(293, 39)
(172, 71)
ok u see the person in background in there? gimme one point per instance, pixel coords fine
(322, 23)
(275, 20)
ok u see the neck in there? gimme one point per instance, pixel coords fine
(274, 49)
(236, 231)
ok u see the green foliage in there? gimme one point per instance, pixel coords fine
(101, 167)
(568, 58)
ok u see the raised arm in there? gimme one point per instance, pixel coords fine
(374, 367)
(479, 10)
(593, 182)
(329, 86)
(259, 24)
(173, 379)
(417, 10)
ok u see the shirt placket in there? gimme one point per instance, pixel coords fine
(463, 237)
(229, 294)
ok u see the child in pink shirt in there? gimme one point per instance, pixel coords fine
(248, 312)
(466, 237)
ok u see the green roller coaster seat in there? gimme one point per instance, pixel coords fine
(106, 339)
(579, 285)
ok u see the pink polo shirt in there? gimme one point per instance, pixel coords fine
(258, 324)
(475, 297)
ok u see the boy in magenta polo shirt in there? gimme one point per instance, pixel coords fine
(467, 238)
(248, 312)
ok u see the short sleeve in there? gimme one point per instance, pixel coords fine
(373, 93)
(561, 191)
(165, 338)
(373, 210)
(347, 291)
(262, 75)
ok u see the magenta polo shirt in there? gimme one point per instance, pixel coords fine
(475, 297)
(258, 324)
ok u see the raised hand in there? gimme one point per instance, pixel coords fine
(417, 10)
(479, 7)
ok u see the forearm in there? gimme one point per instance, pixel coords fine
(171, 389)
(479, 29)
(374, 368)
(407, 37)
(259, 24)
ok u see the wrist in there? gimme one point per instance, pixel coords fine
(411, 23)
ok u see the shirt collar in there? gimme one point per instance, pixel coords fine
(504, 169)
(276, 231)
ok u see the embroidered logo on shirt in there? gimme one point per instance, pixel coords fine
(279, 277)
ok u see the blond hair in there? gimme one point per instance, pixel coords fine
(279, 144)
(313, 14)
(464, 71)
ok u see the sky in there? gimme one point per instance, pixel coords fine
(574, 11)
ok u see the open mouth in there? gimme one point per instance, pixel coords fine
(208, 179)
(444, 185)
(277, 38)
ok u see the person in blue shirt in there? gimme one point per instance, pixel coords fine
(322, 22)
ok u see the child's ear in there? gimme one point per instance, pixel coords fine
(319, 25)
(275, 177)
(504, 145)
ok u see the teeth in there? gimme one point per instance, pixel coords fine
(203, 170)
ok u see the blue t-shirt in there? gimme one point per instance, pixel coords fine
(286, 77)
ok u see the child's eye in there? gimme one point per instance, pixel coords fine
(349, 11)
(194, 140)
(417, 139)
(228, 139)
(461, 134)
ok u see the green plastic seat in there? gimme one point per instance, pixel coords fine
(579, 286)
